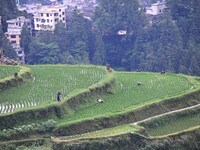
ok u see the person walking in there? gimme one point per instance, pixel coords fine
(58, 96)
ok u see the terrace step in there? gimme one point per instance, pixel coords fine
(10, 107)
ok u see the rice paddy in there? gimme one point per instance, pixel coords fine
(7, 71)
(46, 81)
(128, 94)
(176, 126)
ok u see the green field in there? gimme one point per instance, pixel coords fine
(125, 96)
(46, 81)
(128, 95)
(176, 126)
(7, 71)
(119, 130)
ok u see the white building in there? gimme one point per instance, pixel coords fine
(13, 34)
(156, 8)
(48, 16)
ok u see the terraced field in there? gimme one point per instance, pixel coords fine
(127, 95)
(7, 71)
(119, 130)
(47, 80)
(176, 126)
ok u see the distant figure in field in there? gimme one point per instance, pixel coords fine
(162, 72)
(99, 100)
(138, 83)
(58, 96)
(108, 67)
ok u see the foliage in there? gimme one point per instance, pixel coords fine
(8, 51)
(24, 130)
(113, 16)
(159, 48)
(8, 10)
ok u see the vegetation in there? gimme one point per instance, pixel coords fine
(6, 71)
(127, 95)
(119, 130)
(47, 80)
(172, 123)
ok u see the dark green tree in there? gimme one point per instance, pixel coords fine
(119, 22)
(99, 53)
(25, 38)
(42, 53)
(159, 48)
(79, 37)
(6, 46)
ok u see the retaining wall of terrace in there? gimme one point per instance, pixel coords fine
(182, 141)
(135, 115)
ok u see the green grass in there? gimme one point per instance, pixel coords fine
(48, 79)
(128, 95)
(119, 130)
(7, 71)
(176, 126)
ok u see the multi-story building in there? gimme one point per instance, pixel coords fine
(13, 34)
(48, 16)
(156, 8)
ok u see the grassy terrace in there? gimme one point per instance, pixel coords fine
(47, 80)
(127, 95)
(7, 71)
(119, 130)
(176, 126)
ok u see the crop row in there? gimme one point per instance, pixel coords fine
(128, 94)
(47, 80)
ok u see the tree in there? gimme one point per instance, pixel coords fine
(158, 48)
(42, 53)
(78, 37)
(114, 16)
(100, 53)
(60, 34)
(25, 38)
(5, 45)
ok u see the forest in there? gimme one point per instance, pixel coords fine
(169, 41)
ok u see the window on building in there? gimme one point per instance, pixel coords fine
(47, 15)
(13, 42)
(63, 13)
(19, 52)
(38, 26)
(63, 19)
(13, 36)
(42, 14)
(56, 14)
(47, 20)
(19, 24)
(60, 16)
(56, 20)
(59, 9)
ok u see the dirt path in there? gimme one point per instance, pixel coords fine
(171, 112)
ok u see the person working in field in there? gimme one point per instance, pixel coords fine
(58, 96)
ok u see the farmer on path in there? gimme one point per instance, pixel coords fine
(58, 96)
